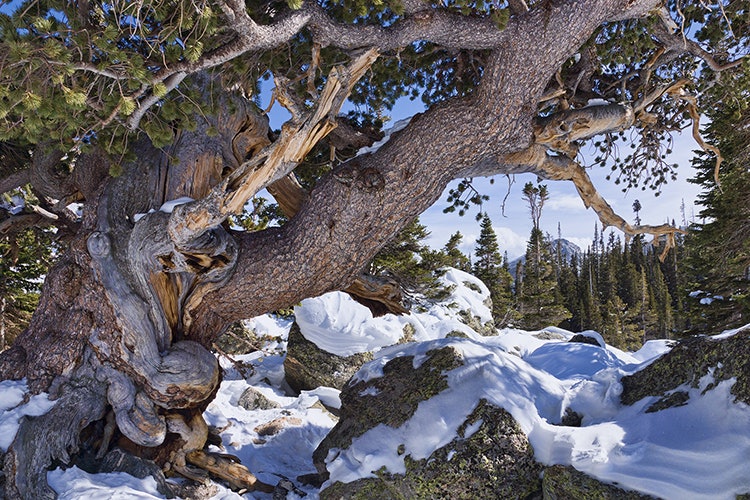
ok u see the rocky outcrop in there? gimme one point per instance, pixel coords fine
(307, 366)
(490, 456)
(495, 461)
(563, 482)
(485, 329)
(688, 362)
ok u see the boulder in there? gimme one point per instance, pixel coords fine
(489, 457)
(722, 357)
(308, 367)
(563, 482)
(485, 329)
(252, 399)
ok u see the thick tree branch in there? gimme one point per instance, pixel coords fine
(378, 294)
(353, 211)
(434, 25)
(275, 161)
(15, 180)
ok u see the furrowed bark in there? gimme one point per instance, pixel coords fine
(135, 303)
(363, 202)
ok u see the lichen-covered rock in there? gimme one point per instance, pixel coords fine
(490, 456)
(252, 399)
(495, 461)
(690, 360)
(547, 335)
(563, 482)
(474, 322)
(390, 400)
(308, 367)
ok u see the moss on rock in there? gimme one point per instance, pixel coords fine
(495, 461)
(563, 482)
(688, 362)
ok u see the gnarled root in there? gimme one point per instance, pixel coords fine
(227, 468)
(194, 434)
(54, 435)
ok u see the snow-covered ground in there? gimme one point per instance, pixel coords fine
(698, 451)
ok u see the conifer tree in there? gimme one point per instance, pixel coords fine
(23, 263)
(539, 301)
(718, 274)
(489, 267)
(454, 256)
(411, 263)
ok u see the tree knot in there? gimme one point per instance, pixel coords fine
(99, 245)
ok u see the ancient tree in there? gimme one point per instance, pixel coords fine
(122, 106)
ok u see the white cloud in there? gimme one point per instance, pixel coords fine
(565, 202)
(510, 242)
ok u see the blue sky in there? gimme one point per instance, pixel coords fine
(513, 225)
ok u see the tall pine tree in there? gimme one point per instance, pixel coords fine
(489, 267)
(719, 246)
(539, 300)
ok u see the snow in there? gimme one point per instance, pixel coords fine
(339, 325)
(397, 126)
(699, 450)
(13, 406)
(168, 207)
(74, 484)
(15, 206)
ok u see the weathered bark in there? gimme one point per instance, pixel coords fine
(129, 311)
(109, 334)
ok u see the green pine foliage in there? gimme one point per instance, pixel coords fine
(717, 270)
(23, 263)
(490, 267)
(454, 256)
(539, 300)
(412, 264)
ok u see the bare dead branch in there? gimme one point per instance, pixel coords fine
(289, 194)
(674, 40)
(170, 83)
(560, 130)
(297, 139)
(18, 223)
(562, 167)
(641, 104)
(695, 116)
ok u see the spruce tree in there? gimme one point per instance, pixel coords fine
(539, 301)
(454, 256)
(489, 267)
(411, 263)
(718, 264)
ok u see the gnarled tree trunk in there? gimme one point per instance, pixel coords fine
(127, 314)
(111, 333)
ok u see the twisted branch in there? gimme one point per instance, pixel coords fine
(297, 139)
